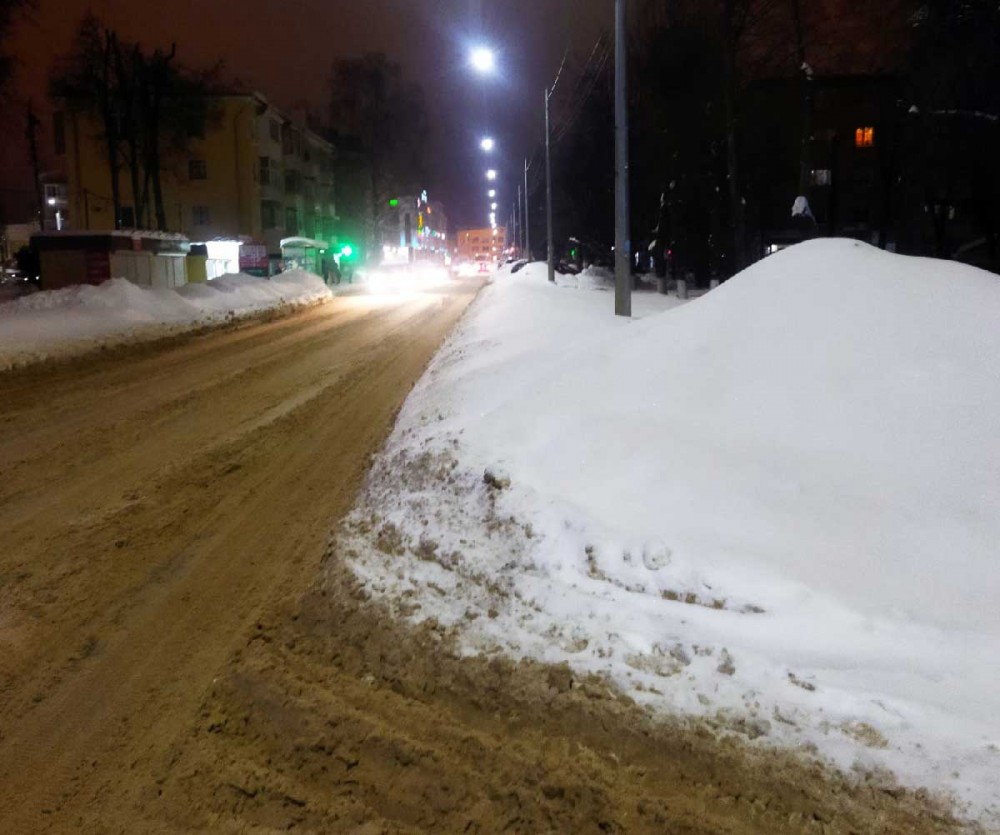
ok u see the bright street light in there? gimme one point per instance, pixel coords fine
(493, 206)
(487, 144)
(483, 60)
(491, 174)
(491, 193)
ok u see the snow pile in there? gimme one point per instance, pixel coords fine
(83, 317)
(776, 507)
(591, 278)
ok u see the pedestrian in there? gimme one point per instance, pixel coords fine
(803, 221)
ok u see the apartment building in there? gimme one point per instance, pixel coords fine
(255, 176)
(482, 244)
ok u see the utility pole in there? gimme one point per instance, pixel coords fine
(33, 124)
(511, 235)
(519, 221)
(623, 265)
(527, 224)
(548, 189)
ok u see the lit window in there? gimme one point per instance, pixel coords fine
(864, 137)
(821, 176)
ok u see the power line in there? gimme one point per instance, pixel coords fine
(580, 105)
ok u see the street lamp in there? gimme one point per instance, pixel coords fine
(493, 206)
(483, 60)
(491, 174)
(623, 246)
(491, 193)
(487, 144)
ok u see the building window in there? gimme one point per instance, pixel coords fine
(821, 176)
(291, 221)
(265, 171)
(269, 214)
(56, 191)
(199, 216)
(291, 182)
(59, 132)
(197, 169)
(275, 130)
(864, 137)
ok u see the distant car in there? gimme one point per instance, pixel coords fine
(12, 275)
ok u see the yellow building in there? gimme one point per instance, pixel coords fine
(255, 175)
(482, 244)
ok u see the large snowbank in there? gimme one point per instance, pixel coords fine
(80, 318)
(776, 507)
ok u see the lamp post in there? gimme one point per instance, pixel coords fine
(623, 265)
(518, 223)
(525, 224)
(548, 187)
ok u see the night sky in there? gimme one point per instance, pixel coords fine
(284, 48)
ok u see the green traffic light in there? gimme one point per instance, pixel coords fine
(394, 202)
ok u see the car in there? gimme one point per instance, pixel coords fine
(12, 274)
(519, 265)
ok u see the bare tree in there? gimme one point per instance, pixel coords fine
(370, 100)
(147, 106)
(85, 81)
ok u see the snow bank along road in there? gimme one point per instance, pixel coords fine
(173, 659)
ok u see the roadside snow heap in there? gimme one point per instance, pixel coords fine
(84, 317)
(776, 508)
